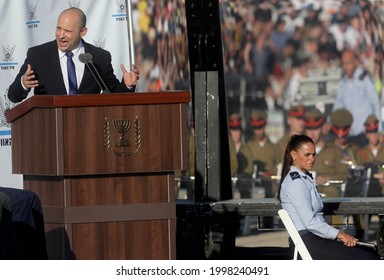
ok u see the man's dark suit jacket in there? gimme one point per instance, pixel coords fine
(45, 63)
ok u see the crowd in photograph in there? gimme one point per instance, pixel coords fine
(269, 48)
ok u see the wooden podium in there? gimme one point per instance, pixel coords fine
(103, 167)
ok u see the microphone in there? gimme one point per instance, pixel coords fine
(87, 58)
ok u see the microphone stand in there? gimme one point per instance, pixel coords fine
(88, 60)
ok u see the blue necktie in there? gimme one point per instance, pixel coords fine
(71, 74)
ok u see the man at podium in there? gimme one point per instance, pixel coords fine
(69, 65)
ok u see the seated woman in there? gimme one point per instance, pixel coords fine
(299, 197)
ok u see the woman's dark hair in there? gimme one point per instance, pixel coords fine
(295, 142)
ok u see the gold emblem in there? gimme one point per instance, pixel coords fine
(122, 146)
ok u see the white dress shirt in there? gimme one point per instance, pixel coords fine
(79, 66)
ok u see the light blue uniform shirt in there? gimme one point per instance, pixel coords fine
(299, 197)
(358, 95)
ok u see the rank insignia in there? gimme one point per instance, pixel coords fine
(294, 175)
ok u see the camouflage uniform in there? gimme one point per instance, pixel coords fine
(341, 121)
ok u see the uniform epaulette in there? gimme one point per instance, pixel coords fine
(294, 175)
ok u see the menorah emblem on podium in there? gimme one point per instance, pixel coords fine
(122, 127)
(122, 145)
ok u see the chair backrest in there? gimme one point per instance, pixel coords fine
(295, 236)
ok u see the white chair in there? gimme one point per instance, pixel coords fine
(295, 236)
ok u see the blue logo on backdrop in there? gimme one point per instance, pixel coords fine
(74, 3)
(32, 20)
(5, 131)
(4, 107)
(121, 14)
(7, 58)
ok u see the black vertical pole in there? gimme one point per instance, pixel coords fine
(212, 162)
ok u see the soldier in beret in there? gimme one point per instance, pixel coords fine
(371, 124)
(236, 130)
(296, 126)
(341, 121)
(259, 147)
(238, 160)
(328, 164)
(262, 155)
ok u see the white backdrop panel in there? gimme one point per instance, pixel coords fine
(24, 24)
